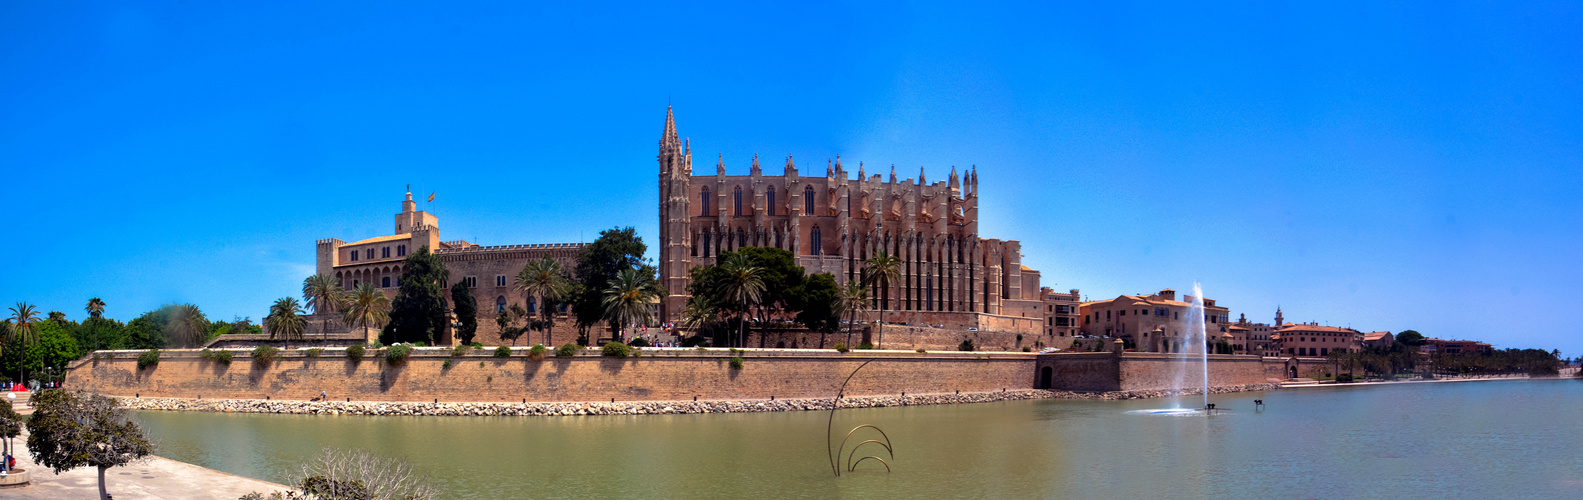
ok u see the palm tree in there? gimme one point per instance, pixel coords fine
(368, 307)
(322, 293)
(95, 310)
(187, 326)
(850, 299)
(285, 319)
(743, 287)
(701, 313)
(23, 317)
(882, 269)
(546, 282)
(627, 300)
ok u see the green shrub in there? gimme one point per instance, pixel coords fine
(148, 358)
(421, 343)
(502, 352)
(446, 365)
(920, 349)
(397, 354)
(1027, 349)
(206, 354)
(865, 345)
(700, 347)
(735, 351)
(1019, 337)
(966, 346)
(841, 348)
(1344, 378)
(616, 350)
(376, 345)
(265, 354)
(355, 352)
(223, 357)
(639, 342)
(538, 350)
(460, 350)
(567, 350)
(315, 352)
(736, 363)
(476, 345)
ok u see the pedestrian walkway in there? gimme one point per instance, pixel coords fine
(154, 477)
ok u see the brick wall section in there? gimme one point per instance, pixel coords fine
(659, 375)
(1146, 371)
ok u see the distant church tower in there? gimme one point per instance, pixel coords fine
(1278, 320)
(676, 170)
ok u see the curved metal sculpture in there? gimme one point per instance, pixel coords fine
(834, 454)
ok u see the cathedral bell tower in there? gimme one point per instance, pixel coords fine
(676, 171)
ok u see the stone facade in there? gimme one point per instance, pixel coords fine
(489, 270)
(1313, 339)
(832, 223)
(1151, 323)
(1142, 371)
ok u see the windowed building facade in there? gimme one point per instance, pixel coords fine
(379, 261)
(833, 222)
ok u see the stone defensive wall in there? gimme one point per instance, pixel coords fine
(431, 374)
(1139, 371)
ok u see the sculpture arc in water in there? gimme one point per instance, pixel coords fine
(834, 454)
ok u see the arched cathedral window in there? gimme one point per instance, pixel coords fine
(736, 198)
(816, 243)
(807, 201)
(705, 198)
(771, 194)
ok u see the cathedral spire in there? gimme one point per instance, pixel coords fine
(668, 136)
(921, 182)
(893, 174)
(860, 172)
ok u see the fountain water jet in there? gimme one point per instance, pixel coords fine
(1194, 341)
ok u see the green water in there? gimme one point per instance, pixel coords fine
(1500, 439)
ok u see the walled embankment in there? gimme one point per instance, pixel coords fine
(1139, 371)
(628, 408)
(431, 374)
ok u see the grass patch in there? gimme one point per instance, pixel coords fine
(315, 352)
(459, 351)
(264, 355)
(736, 362)
(566, 351)
(397, 354)
(616, 350)
(502, 352)
(841, 348)
(148, 358)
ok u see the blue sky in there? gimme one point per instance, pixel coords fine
(1377, 165)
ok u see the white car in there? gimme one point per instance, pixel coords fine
(1050, 350)
(972, 328)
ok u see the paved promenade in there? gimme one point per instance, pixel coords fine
(153, 477)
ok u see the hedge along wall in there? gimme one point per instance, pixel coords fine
(657, 375)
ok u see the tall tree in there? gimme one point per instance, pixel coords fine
(702, 314)
(418, 313)
(782, 276)
(627, 300)
(368, 307)
(742, 289)
(881, 270)
(95, 310)
(24, 323)
(598, 264)
(852, 300)
(285, 319)
(69, 430)
(322, 293)
(546, 282)
(10, 427)
(816, 301)
(466, 309)
(186, 325)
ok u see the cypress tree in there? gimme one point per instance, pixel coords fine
(466, 308)
(418, 313)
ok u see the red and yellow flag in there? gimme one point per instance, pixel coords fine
(431, 195)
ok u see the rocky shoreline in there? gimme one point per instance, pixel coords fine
(631, 407)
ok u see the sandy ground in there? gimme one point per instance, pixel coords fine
(153, 477)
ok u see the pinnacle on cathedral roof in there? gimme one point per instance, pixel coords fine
(921, 182)
(893, 173)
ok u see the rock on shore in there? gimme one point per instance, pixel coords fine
(632, 407)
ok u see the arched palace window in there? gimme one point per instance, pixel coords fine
(807, 201)
(736, 200)
(705, 198)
